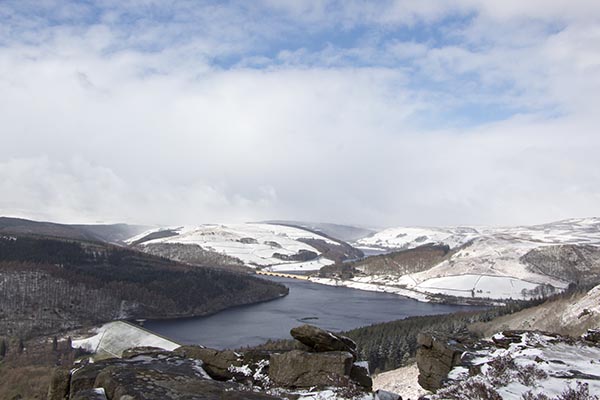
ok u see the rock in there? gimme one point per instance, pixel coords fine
(592, 335)
(84, 377)
(385, 395)
(91, 394)
(436, 356)
(216, 362)
(321, 340)
(298, 368)
(158, 377)
(254, 369)
(59, 384)
(143, 350)
(359, 373)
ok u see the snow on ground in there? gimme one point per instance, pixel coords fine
(493, 287)
(488, 262)
(411, 237)
(313, 265)
(588, 305)
(536, 363)
(254, 244)
(373, 287)
(577, 231)
(111, 339)
(402, 381)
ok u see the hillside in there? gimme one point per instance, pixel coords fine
(477, 263)
(572, 315)
(51, 284)
(266, 246)
(112, 233)
(347, 233)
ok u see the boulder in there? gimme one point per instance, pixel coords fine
(59, 384)
(143, 350)
(436, 356)
(321, 340)
(91, 394)
(592, 335)
(300, 369)
(216, 362)
(385, 395)
(84, 377)
(359, 373)
(159, 378)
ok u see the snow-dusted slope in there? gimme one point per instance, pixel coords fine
(410, 237)
(532, 364)
(572, 315)
(571, 231)
(488, 262)
(273, 246)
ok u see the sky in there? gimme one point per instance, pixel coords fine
(374, 113)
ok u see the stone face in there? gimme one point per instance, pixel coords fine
(436, 356)
(359, 373)
(91, 394)
(216, 362)
(84, 378)
(158, 377)
(592, 335)
(59, 384)
(145, 350)
(298, 368)
(384, 395)
(321, 340)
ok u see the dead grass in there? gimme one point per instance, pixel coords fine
(24, 383)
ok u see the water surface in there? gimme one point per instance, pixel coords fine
(329, 307)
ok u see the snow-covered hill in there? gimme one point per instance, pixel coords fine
(572, 315)
(571, 231)
(403, 238)
(495, 263)
(274, 247)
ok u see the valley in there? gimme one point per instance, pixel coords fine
(216, 285)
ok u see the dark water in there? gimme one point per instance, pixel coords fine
(330, 307)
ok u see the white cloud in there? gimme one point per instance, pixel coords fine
(106, 121)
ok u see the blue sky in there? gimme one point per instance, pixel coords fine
(374, 113)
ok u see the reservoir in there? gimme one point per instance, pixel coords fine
(329, 307)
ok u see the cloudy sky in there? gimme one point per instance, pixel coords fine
(392, 112)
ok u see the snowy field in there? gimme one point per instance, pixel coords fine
(485, 263)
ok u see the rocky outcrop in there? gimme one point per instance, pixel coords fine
(298, 368)
(436, 356)
(593, 336)
(524, 365)
(151, 377)
(91, 394)
(196, 372)
(321, 340)
(216, 363)
(360, 374)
